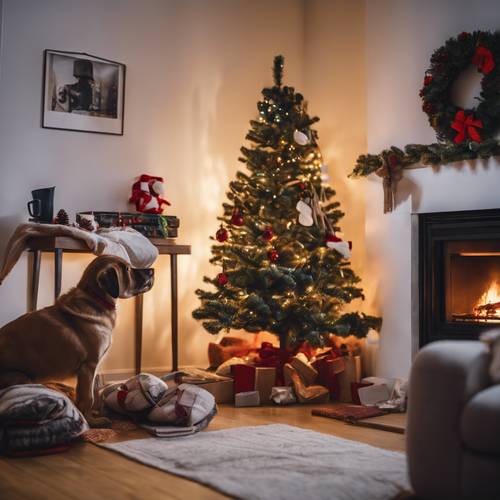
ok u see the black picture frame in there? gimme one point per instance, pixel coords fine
(95, 103)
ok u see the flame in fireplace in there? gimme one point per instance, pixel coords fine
(488, 306)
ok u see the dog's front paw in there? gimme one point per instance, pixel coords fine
(101, 422)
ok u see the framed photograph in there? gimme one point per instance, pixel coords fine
(83, 93)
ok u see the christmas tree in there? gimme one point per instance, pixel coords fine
(283, 267)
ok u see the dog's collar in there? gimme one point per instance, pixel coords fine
(111, 306)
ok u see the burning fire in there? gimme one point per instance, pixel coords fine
(488, 305)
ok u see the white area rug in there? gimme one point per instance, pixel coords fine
(276, 462)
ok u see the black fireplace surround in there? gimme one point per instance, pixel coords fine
(459, 256)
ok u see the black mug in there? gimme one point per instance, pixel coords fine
(41, 207)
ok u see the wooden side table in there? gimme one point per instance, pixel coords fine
(62, 244)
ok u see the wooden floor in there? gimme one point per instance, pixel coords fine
(90, 472)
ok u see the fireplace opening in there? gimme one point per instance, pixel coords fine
(459, 274)
(472, 281)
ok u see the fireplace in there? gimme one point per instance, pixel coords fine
(459, 274)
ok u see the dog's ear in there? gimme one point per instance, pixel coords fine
(108, 280)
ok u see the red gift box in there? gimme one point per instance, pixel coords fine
(254, 378)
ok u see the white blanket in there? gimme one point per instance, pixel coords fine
(122, 242)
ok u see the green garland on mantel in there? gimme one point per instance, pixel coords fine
(463, 134)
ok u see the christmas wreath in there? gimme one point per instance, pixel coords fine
(452, 123)
(463, 134)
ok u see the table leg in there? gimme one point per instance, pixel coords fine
(138, 332)
(173, 286)
(34, 279)
(58, 257)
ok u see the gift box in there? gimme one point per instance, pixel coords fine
(328, 368)
(355, 386)
(351, 373)
(223, 390)
(249, 378)
(306, 371)
(243, 399)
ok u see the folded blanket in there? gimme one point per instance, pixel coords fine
(126, 243)
(33, 417)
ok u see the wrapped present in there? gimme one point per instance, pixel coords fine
(328, 368)
(305, 394)
(254, 378)
(306, 371)
(221, 387)
(221, 390)
(355, 386)
(283, 395)
(228, 348)
(351, 373)
(250, 398)
(373, 394)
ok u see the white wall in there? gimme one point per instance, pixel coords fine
(400, 37)
(194, 72)
(334, 41)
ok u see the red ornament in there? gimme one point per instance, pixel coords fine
(427, 80)
(273, 255)
(221, 235)
(466, 127)
(302, 186)
(236, 218)
(268, 233)
(483, 59)
(222, 279)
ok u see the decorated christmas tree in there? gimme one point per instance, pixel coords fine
(283, 267)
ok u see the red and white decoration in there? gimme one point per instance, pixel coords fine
(147, 194)
(339, 245)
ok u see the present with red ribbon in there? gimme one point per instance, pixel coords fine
(249, 378)
(329, 367)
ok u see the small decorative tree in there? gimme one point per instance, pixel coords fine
(283, 267)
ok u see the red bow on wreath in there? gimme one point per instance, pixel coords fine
(483, 59)
(466, 127)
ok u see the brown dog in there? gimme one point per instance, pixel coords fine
(71, 337)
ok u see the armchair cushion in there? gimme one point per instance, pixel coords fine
(480, 422)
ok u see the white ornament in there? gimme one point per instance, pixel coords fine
(342, 247)
(300, 138)
(305, 214)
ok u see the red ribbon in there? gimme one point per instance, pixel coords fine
(483, 59)
(274, 357)
(466, 127)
